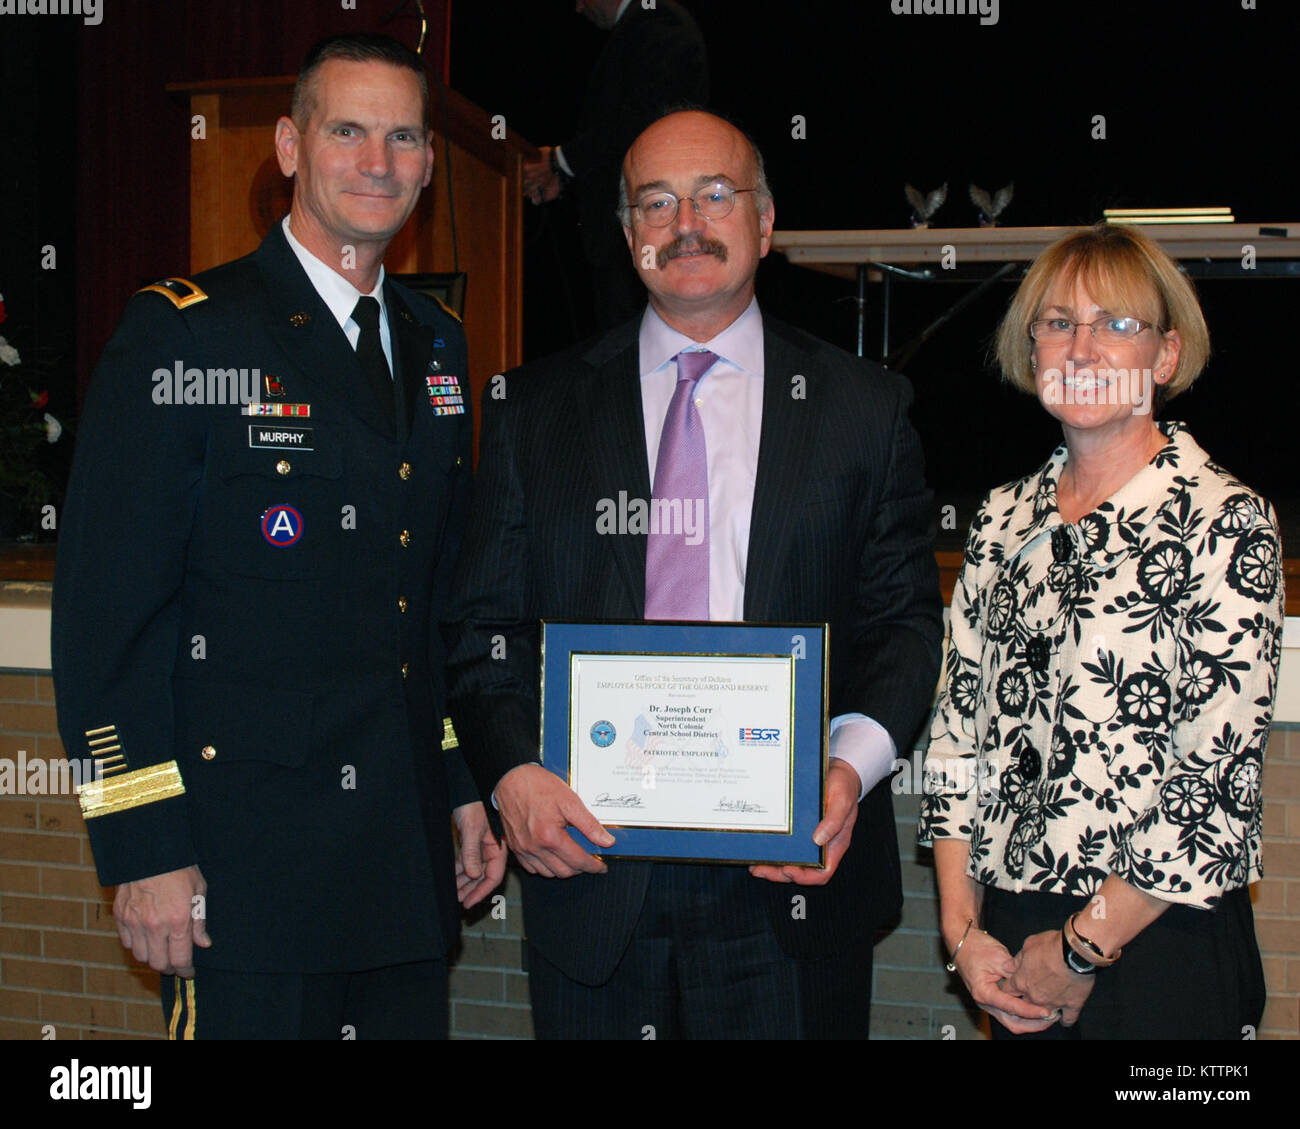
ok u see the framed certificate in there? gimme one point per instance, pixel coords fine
(701, 742)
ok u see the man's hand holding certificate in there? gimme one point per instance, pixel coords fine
(698, 741)
(537, 808)
(835, 831)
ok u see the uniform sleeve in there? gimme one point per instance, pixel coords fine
(460, 783)
(950, 795)
(116, 608)
(492, 642)
(1200, 837)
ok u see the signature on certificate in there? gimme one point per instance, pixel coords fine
(605, 800)
(725, 804)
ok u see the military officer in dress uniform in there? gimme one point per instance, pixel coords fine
(247, 593)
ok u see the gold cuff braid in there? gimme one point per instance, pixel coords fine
(131, 790)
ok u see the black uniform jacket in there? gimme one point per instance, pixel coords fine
(840, 532)
(245, 612)
(653, 60)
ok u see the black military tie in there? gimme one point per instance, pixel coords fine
(370, 352)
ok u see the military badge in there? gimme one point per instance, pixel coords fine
(445, 396)
(282, 526)
(277, 409)
(181, 292)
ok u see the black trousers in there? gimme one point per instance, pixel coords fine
(704, 963)
(404, 1001)
(1191, 974)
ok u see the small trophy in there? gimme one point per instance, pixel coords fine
(991, 208)
(923, 207)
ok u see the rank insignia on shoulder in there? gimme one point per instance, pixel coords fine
(180, 292)
(276, 410)
(273, 385)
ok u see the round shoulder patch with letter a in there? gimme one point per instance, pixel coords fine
(282, 526)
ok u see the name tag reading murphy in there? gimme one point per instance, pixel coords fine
(280, 438)
(691, 741)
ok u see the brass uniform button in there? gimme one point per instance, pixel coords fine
(405, 538)
(401, 603)
(208, 752)
(404, 471)
(283, 467)
(405, 668)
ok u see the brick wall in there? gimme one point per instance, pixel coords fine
(489, 989)
(912, 996)
(63, 971)
(1277, 897)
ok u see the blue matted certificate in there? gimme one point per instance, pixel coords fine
(691, 741)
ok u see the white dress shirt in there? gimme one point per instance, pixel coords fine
(341, 296)
(729, 398)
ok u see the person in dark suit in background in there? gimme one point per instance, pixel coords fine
(654, 59)
(817, 511)
(246, 600)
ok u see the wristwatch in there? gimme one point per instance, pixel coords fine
(1073, 961)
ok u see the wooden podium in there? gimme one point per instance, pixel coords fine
(237, 192)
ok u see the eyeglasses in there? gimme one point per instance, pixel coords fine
(1109, 330)
(712, 202)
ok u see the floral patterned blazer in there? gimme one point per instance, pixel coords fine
(1109, 684)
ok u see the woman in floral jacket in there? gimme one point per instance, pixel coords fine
(1093, 777)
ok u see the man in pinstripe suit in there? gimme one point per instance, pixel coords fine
(817, 511)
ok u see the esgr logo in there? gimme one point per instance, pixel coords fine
(760, 736)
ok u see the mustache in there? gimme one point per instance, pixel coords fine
(688, 244)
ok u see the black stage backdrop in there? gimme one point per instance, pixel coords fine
(1199, 101)
(1197, 96)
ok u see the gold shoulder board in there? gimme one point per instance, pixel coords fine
(180, 292)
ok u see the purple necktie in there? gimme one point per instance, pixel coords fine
(677, 552)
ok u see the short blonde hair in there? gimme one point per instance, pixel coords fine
(1125, 271)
